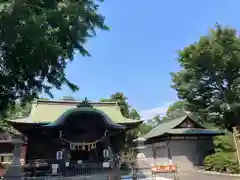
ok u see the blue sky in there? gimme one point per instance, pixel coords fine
(140, 50)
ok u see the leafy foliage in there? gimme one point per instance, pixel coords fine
(122, 102)
(128, 112)
(38, 39)
(68, 98)
(16, 112)
(224, 143)
(176, 110)
(134, 114)
(209, 85)
(142, 129)
(121, 99)
(224, 159)
(209, 80)
(222, 162)
(154, 121)
(177, 106)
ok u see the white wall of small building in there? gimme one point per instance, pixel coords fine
(186, 153)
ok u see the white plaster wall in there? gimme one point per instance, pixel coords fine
(146, 156)
(184, 153)
(162, 157)
(189, 153)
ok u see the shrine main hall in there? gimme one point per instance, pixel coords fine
(73, 132)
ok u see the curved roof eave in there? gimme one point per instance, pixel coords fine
(24, 121)
(63, 118)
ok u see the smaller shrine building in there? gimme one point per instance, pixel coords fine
(181, 141)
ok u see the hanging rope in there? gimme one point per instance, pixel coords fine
(84, 145)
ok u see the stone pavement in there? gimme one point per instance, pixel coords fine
(146, 175)
(194, 175)
(188, 175)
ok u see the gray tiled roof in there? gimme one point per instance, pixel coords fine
(168, 127)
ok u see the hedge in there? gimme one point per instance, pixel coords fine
(222, 162)
(224, 159)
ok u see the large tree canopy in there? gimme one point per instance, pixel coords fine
(37, 40)
(153, 122)
(128, 112)
(175, 110)
(210, 77)
(121, 99)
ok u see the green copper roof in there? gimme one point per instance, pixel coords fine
(163, 127)
(46, 111)
(168, 127)
(194, 131)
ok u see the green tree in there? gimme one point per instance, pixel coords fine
(134, 114)
(133, 133)
(128, 112)
(143, 128)
(157, 119)
(68, 98)
(177, 106)
(44, 98)
(38, 39)
(224, 143)
(154, 121)
(175, 110)
(105, 100)
(209, 81)
(121, 99)
(19, 111)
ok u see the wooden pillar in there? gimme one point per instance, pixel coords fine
(169, 155)
(236, 142)
(154, 152)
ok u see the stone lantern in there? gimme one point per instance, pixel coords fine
(15, 171)
(139, 146)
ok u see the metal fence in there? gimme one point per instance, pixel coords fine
(90, 170)
(85, 169)
(75, 170)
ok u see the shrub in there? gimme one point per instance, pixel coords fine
(222, 162)
(224, 159)
(224, 143)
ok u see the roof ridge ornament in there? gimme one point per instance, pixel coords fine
(85, 103)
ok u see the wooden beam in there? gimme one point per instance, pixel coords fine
(235, 134)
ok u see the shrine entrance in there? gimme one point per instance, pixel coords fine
(77, 155)
(86, 154)
(83, 141)
(85, 137)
